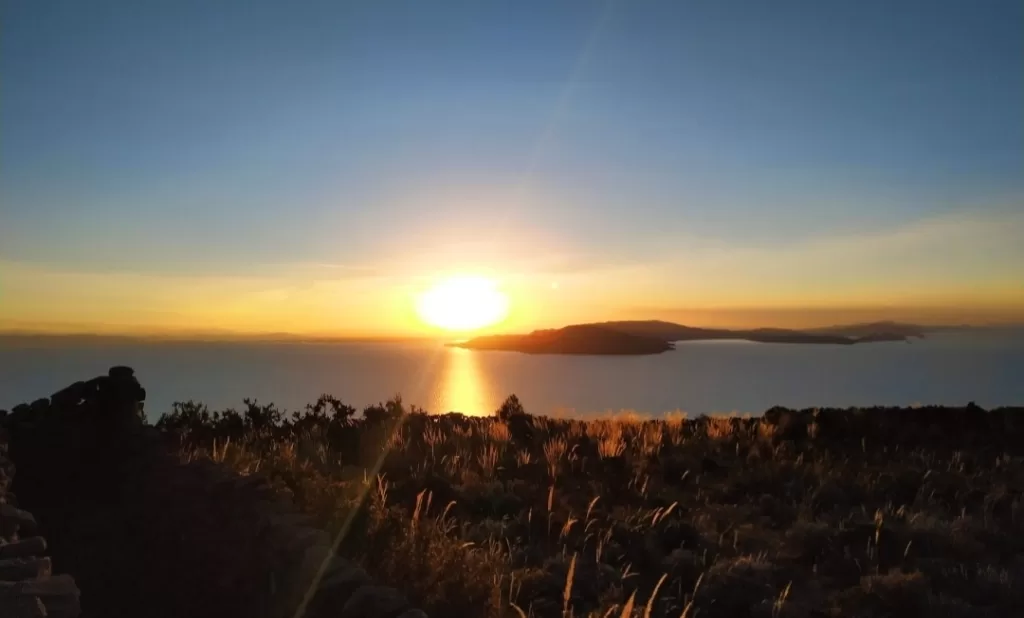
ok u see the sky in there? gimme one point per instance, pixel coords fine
(310, 167)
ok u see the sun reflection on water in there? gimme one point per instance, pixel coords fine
(464, 387)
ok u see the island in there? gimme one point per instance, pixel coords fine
(632, 337)
(881, 331)
(576, 339)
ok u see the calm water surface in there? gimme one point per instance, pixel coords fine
(698, 377)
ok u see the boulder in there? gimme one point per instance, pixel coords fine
(375, 602)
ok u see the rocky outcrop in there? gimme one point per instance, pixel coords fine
(145, 535)
(28, 587)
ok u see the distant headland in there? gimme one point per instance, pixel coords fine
(655, 337)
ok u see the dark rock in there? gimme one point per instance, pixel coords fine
(71, 395)
(18, 569)
(25, 548)
(22, 607)
(121, 372)
(98, 384)
(59, 594)
(13, 519)
(375, 602)
(339, 583)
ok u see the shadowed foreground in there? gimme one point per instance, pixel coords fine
(868, 512)
(144, 535)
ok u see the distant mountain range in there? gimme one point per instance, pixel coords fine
(656, 336)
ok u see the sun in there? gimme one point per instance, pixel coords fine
(463, 303)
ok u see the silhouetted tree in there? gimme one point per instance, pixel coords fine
(259, 417)
(390, 410)
(511, 407)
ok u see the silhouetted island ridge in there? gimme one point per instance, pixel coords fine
(655, 337)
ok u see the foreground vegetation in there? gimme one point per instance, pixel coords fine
(831, 513)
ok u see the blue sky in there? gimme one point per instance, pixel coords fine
(285, 146)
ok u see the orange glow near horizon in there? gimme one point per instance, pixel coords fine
(463, 303)
(946, 270)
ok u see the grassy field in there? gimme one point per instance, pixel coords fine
(794, 514)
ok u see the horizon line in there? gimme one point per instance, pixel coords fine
(300, 337)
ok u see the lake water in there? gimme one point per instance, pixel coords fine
(698, 377)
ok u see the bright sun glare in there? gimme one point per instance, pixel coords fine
(463, 303)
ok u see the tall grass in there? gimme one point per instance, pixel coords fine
(627, 516)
